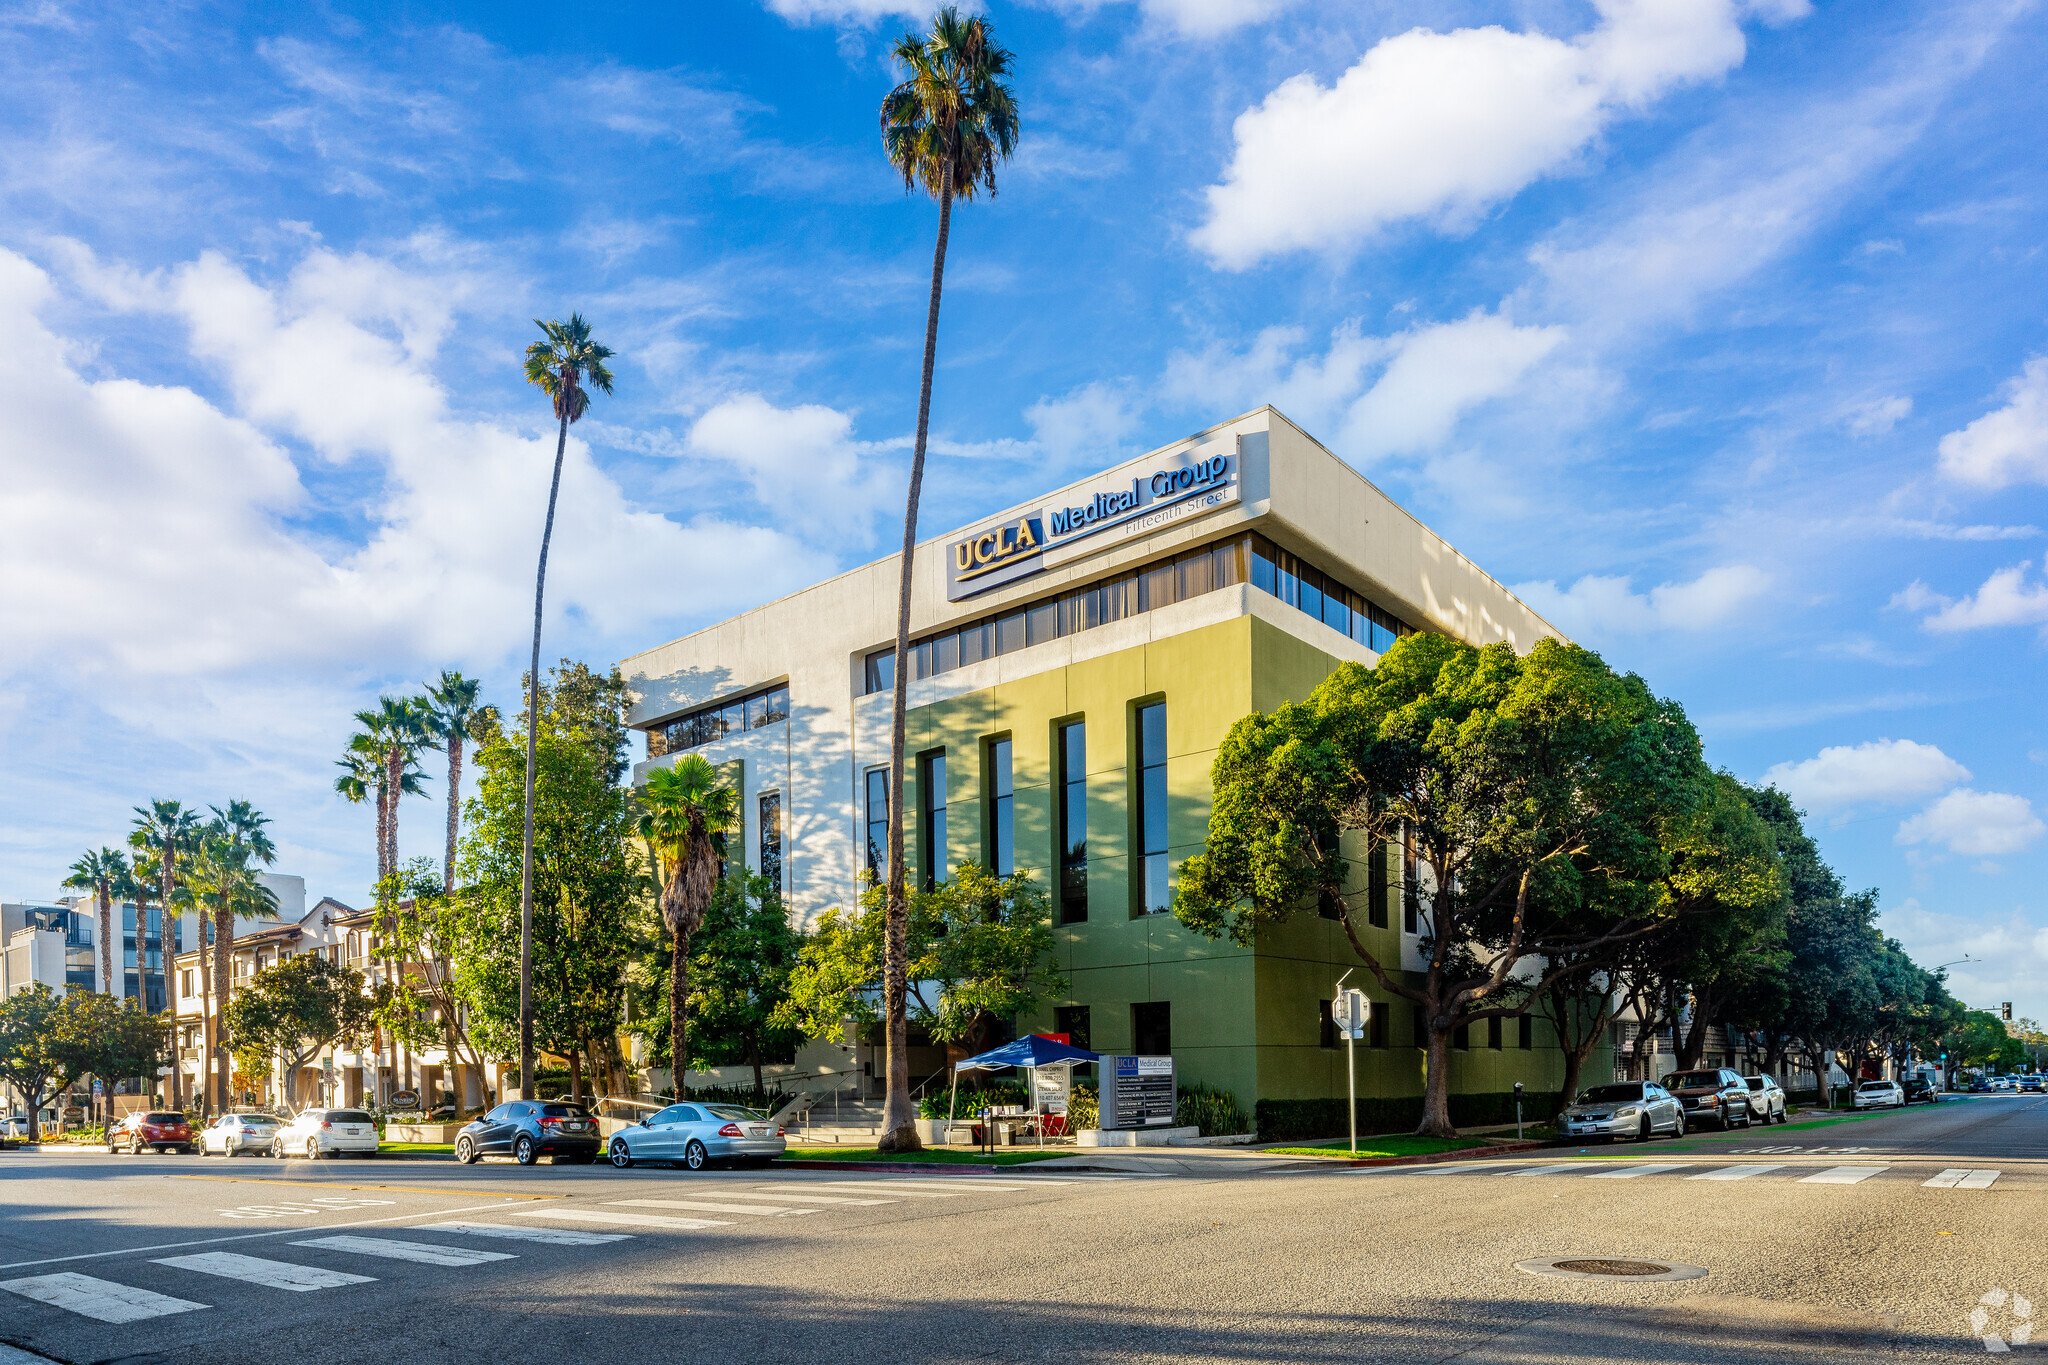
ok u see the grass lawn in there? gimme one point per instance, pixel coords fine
(413, 1148)
(1379, 1145)
(932, 1154)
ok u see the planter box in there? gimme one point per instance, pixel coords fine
(421, 1132)
(1137, 1137)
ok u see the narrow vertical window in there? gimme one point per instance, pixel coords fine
(1152, 878)
(1002, 828)
(931, 830)
(1527, 1041)
(1073, 828)
(1493, 1030)
(878, 822)
(771, 839)
(1376, 884)
(1411, 894)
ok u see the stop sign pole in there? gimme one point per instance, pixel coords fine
(1350, 1011)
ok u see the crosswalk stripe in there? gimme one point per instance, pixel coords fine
(1945, 1181)
(1435, 1168)
(1735, 1172)
(706, 1206)
(1977, 1180)
(230, 1265)
(787, 1198)
(1630, 1172)
(1841, 1175)
(426, 1253)
(100, 1300)
(950, 1183)
(631, 1220)
(1543, 1170)
(562, 1237)
(892, 1188)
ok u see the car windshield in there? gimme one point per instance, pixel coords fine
(256, 1120)
(1875, 1085)
(1693, 1080)
(163, 1118)
(347, 1116)
(735, 1111)
(1610, 1094)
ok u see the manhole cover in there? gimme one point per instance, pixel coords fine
(1609, 1268)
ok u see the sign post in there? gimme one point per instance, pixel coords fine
(1518, 1111)
(1351, 1011)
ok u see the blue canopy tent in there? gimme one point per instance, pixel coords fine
(1030, 1052)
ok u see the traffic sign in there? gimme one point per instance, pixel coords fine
(1352, 1012)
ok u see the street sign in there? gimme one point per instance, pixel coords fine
(1352, 1012)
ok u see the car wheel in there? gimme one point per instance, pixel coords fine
(621, 1155)
(312, 1149)
(465, 1151)
(695, 1157)
(1643, 1129)
(523, 1151)
(1678, 1126)
(277, 1149)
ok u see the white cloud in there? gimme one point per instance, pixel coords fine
(1092, 420)
(1916, 596)
(1441, 126)
(1601, 605)
(1189, 18)
(1877, 416)
(802, 462)
(2008, 952)
(1880, 771)
(1975, 824)
(858, 12)
(2008, 445)
(2007, 598)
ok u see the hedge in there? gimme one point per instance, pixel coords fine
(1286, 1120)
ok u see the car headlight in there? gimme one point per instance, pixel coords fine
(1628, 1113)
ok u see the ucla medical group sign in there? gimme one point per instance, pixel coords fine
(1015, 547)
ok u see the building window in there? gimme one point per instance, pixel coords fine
(1152, 1028)
(728, 717)
(1002, 825)
(1376, 1026)
(931, 831)
(1073, 823)
(1072, 1020)
(1461, 1037)
(1153, 893)
(1493, 1033)
(1527, 1041)
(878, 822)
(1418, 1027)
(1329, 1035)
(1376, 884)
(771, 839)
(185, 983)
(1411, 894)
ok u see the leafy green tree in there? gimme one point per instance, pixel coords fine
(980, 953)
(420, 925)
(104, 874)
(584, 886)
(289, 1012)
(945, 128)
(741, 957)
(686, 812)
(565, 365)
(1730, 901)
(48, 1043)
(1520, 780)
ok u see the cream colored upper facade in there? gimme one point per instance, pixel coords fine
(1284, 485)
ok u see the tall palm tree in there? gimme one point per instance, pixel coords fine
(223, 877)
(455, 716)
(944, 129)
(565, 365)
(166, 832)
(382, 759)
(687, 813)
(105, 874)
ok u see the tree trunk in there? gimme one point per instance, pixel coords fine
(1436, 1081)
(899, 1126)
(109, 944)
(454, 812)
(223, 942)
(394, 777)
(167, 888)
(540, 582)
(205, 1095)
(678, 1000)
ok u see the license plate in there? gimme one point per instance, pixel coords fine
(757, 1132)
(353, 1132)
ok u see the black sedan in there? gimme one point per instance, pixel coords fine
(527, 1130)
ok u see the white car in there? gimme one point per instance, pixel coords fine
(327, 1132)
(239, 1134)
(1879, 1095)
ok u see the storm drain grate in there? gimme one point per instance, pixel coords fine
(1609, 1268)
(1613, 1267)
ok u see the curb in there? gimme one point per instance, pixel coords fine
(1426, 1158)
(970, 1168)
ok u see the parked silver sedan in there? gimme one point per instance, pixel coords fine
(695, 1135)
(234, 1134)
(1626, 1109)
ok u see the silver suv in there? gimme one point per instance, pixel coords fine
(1766, 1099)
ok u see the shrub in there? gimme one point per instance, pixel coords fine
(1084, 1108)
(1215, 1112)
(1287, 1120)
(935, 1104)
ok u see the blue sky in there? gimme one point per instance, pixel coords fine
(1715, 327)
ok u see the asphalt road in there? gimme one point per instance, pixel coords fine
(1873, 1237)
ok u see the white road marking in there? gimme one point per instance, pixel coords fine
(1543, 1170)
(1841, 1175)
(637, 1220)
(1945, 1181)
(776, 1192)
(1734, 1172)
(706, 1206)
(426, 1253)
(892, 1187)
(563, 1237)
(100, 1300)
(948, 1183)
(1630, 1172)
(1977, 1180)
(231, 1265)
(1435, 1168)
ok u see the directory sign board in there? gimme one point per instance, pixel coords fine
(1137, 1092)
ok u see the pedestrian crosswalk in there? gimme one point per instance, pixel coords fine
(464, 1244)
(1954, 1179)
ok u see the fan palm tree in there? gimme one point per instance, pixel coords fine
(104, 874)
(222, 876)
(166, 831)
(687, 813)
(565, 365)
(455, 716)
(944, 129)
(382, 759)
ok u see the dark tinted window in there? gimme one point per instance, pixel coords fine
(1693, 1080)
(347, 1116)
(565, 1111)
(1610, 1094)
(163, 1118)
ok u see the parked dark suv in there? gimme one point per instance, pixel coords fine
(1921, 1086)
(527, 1130)
(1713, 1095)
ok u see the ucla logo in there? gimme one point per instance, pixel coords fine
(991, 550)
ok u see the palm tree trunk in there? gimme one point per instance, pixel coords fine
(205, 1095)
(109, 945)
(223, 941)
(899, 1127)
(540, 583)
(678, 1016)
(454, 810)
